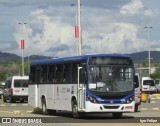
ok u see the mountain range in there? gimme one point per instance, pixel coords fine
(137, 57)
(6, 57)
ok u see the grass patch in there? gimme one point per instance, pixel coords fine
(37, 110)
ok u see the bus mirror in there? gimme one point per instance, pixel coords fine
(136, 82)
(135, 85)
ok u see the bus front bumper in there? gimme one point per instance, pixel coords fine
(92, 107)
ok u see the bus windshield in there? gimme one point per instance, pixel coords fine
(110, 78)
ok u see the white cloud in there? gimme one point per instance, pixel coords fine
(5, 46)
(44, 32)
(132, 7)
(122, 38)
(48, 31)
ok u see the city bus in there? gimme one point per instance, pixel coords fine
(96, 83)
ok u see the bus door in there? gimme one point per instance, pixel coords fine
(81, 89)
(38, 79)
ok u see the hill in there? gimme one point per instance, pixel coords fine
(137, 57)
(6, 57)
(143, 56)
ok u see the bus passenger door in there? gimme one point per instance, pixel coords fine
(81, 89)
(38, 79)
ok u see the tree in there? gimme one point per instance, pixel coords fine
(156, 74)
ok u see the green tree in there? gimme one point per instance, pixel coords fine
(156, 74)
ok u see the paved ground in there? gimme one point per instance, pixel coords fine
(148, 110)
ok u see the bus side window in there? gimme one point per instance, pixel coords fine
(51, 72)
(44, 74)
(59, 73)
(75, 73)
(67, 73)
(38, 74)
(32, 74)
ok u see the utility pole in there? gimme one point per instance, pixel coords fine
(22, 47)
(79, 27)
(149, 52)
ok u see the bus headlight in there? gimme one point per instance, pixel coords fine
(91, 99)
(129, 100)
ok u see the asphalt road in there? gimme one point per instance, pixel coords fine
(147, 112)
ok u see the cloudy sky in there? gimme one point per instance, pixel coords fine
(108, 26)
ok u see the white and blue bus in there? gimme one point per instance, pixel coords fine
(96, 83)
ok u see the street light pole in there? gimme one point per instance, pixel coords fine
(22, 48)
(101, 44)
(79, 27)
(149, 52)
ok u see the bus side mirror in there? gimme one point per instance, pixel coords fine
(136, 82)
(135, 85)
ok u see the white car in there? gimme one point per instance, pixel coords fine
(16, 88)
(1, 89)
(148, 85)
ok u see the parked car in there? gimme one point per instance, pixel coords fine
(1, 89)
(148, 85)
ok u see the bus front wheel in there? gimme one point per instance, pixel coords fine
(136, 108)
(75, 112)
(4, 99)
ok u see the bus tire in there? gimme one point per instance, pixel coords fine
(10, 100)
(44, 107)
(75, 112)
(117, 115)
(136, 108)
(4, 99)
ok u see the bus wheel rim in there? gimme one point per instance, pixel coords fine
(75, 109)
(44, 108)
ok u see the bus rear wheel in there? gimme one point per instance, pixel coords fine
(75, 112)
(44, 108)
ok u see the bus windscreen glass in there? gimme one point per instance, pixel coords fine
(110, 74)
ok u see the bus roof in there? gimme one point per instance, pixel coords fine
(74, 58)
